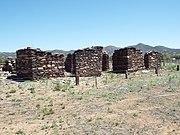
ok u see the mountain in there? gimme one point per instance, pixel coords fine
(110, 49)
(6, 54)
(160, 49)
(61, 51)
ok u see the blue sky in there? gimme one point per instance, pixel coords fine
(73, 24)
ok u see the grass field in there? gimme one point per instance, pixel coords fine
(143, 104)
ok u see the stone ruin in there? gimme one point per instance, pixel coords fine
(105, 62)
(152, 59)
(69, 63)
(9, 66)
(130, 59)
(87, 62)
(139, 59)
(34, 64)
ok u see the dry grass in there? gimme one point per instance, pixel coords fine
(144, 104)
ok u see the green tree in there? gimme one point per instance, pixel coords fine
(165, 57)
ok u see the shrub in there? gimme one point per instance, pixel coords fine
(47, 111)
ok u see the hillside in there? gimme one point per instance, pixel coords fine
(160, 49)
(110, 49)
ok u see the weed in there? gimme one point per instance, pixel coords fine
(171, 90)
(12, 113)
(13, 100)
(108, 96)
(57, 86)
(60, 120)
(62, 86)
(178, 103)
(20, 132)
(89, 119)
(74, 115)
(7, 96)
(55, 128)
(105, 81)
(19, 100)
(79, 98)
(32, 90)
(117, 134)
(109, 110)
(12, 91)
(171, 68)
(38, 99)
(24, 112)
(47, 111)
(16, 100)
(50, 103)
(63, 107)
(45, 127)
(19, 86)
(112, 76)
(135, 115)
(38, 106)
(43, 79)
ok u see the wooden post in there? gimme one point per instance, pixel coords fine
(157, 71)
(96, 81)
(126, 74)
(177, 67)
(77, 79)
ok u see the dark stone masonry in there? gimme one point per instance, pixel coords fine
(152, 60)
(130, 59)
(35, 64)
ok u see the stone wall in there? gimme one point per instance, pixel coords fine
(34, 64)
(129, 59)
(85, 62)
(152, 59)
(9, 66)
(69, 63)
(105, 62)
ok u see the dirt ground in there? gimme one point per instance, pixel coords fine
(143, 104)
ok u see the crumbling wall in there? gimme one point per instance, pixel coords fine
(152, 59)
(105, 61)
(34, 64)
(69, 63)
(9, 66)
(87, 62)
(129, 59)
(140, 59)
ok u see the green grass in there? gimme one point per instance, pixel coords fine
(58, 86)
